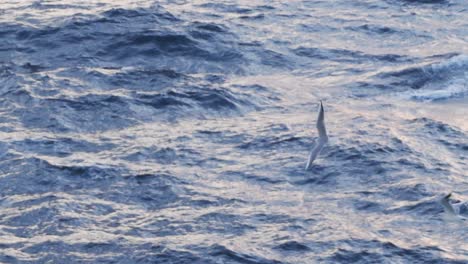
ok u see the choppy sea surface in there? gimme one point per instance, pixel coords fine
(178, 131)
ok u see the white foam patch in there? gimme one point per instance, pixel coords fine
(459, 62)
(453, 90)
(455, 87)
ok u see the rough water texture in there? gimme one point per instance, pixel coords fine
(178, 131)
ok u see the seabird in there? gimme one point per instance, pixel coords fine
(451, 209)
(322, 139)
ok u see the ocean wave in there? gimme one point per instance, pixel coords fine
(39, 175)
(409, 191)
(217, 101)
(272, 142)
(425, 1)
(373, 253)
(343, 55)
(292, 246)
(435, 81)
(60, 147)
(217, 222)
(110, 110)
(226, 254)
(163, 155)
(451, 91)
(110, 37)
(229, 8)
(437, 128)
(178, 132)
(425, 207)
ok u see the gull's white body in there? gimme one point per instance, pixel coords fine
(451, 209)
(322, 139)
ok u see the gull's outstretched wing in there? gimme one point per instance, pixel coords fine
(321, 124)
(317, 147)
(311, 156)
(322, 139)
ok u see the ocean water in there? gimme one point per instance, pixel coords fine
(178, 131)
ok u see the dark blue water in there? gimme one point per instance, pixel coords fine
(178, 131)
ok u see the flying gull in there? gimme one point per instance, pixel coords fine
(451, 209)
(322, 139)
